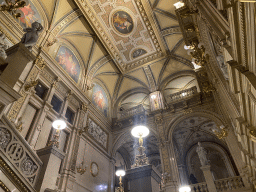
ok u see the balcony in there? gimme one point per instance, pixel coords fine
(130, 112)
(175, 97)
(234, 184)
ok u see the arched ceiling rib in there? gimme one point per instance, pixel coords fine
(67, 22)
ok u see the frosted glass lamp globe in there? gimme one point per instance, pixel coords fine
(140, 131)
(120, 173)
(178, 4)
(185, 189)
(59, 124)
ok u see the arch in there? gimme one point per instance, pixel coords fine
(203, 113)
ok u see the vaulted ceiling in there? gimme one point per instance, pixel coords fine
(128, 47)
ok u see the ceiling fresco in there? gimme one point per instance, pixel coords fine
(144, 34)
(125, 26)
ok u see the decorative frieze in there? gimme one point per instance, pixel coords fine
(97, 133)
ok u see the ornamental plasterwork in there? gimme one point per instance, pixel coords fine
(97, 133)
(126, 29)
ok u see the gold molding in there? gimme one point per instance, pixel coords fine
(4, 187)
(6, 168)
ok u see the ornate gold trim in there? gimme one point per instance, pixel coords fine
(94, 175)
(4, 187)
(6, 168)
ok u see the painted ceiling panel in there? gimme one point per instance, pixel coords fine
(167, 5)
(179, 82)
(139, 74)
(108, 67)
(172, 40)
(97, 54)
(64, 7)
(128, 84)
(174, 67)
(76, 26)
(81, 40)
(49, 6)
(110, 82)
(165, 21)
(137, 98)
(156, 68)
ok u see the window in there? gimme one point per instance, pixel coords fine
(41, 90)
(70, 115)
(56, 103)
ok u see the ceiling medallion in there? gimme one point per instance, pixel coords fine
(122, 22)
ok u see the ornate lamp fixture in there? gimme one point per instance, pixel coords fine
(58, 125)
(12, 6)
(141, 159)
(81, 168)
(120, 173)
(222, 133)
(185, 189)
(179, 4)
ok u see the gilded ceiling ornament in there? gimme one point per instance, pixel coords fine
(122, 22)
(30, 85)
(222, 132)
(12, 7)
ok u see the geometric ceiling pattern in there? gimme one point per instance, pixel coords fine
(136, 29)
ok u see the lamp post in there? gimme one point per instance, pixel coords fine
(58, 125)
(141, 159)
(185, 189)
(120, 173)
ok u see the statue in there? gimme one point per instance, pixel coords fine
(31, 36)
(3, 46)
(202, 155)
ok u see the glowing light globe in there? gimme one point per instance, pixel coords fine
(140, 130)
(179, 4)
(59, 124)
(185, 189)
(120, 172)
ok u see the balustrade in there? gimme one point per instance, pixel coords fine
(182, 94)
(228, 184)
(21, 158)
(199, 187)
(130, 112)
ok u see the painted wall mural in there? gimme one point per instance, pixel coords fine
(99, 99)
(29, 14)
(67, 60)
(122, 22)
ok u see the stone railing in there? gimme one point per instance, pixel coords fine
(182, 94)
(18, 154)
(130, 112)
(229, 184)
(199, 187)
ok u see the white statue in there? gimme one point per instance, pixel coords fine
(223, 66)
(31, 36)
(202, 154)
(3, 46)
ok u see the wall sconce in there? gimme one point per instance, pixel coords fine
(82, 167)
(58, 125)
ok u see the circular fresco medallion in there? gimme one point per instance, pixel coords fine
(122, 22)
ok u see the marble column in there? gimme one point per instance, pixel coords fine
(209, 178)
(183, 176)
(168, 167)
(112, 174)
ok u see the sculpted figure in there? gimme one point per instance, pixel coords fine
(202, 155)
(3, 46)
(31, 36)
